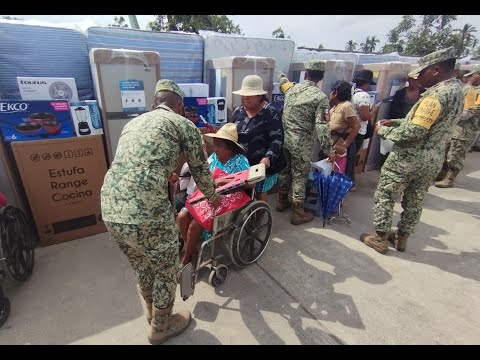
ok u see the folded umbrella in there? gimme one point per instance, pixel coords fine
(331, 191)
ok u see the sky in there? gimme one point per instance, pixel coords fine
(332, 31)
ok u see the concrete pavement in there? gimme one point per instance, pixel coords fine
(313, 285)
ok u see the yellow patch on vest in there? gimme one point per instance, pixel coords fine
(427, 112)
(470, 98)
(478, 100)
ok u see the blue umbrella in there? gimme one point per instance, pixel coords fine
(331, 190)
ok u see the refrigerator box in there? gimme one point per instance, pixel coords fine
(194, 107)
(194, 90)
(225, 75)
(217, 111)
(62, 179)
(47, 88)
(86, 117)
(35, 120)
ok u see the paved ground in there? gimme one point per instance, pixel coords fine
(313, 285)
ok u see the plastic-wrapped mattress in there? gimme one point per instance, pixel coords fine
(181, 55)
(40, 51)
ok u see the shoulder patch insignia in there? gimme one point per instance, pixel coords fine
(427, 112)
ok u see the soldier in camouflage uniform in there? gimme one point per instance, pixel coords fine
(464, 133)
(136, 207)
(304, 111)
(417, 154)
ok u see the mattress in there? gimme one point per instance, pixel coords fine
(219, 46)
(181, 55)
(40, 51)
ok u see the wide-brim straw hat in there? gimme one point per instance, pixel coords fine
(227, 132)
(251, 85)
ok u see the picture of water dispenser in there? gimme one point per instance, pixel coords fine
(81, 115)
(217, 108)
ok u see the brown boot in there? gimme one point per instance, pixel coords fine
(299, 216)
(376, 241)
(398, 240)
(283, 202)
(448, 181)
(441, 175)
(147, 296)
(165, 325)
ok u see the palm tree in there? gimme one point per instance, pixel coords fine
(466, 37)
(351, 45)
(373, 43)
(365, 47)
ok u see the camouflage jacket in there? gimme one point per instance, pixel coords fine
(469, 122)
(422, 136)
(135, 189)
(304, 111)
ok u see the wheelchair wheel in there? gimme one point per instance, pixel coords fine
(218, 275)
(4, 310)
(18, 243)
(252, 233)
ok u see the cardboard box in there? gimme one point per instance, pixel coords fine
(217, 111)
(194, 107)
(86, 117)
(35, 120)
(194, 90)
(46, 88)
(62, 179)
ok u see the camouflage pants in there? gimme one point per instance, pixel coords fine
(456, 152)
(414, 186)
(152, 250)
(296, 172)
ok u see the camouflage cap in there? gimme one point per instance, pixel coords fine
(169, 85)
(433, 58)
(315, 65)
(476, 69)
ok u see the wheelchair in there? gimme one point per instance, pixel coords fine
(239, 237)
(17, 245)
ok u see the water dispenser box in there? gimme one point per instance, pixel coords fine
(217, 111)
(194, 107)
(86, 117)
(195, 89)
(35, 120)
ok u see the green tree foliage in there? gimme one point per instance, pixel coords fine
(119, 22)
(278, 33)
(351, 45)
(194, 23)
(421, 35)
(369, 45)
(6, 17)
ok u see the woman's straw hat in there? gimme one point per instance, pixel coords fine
(227, 132)
(251, 85)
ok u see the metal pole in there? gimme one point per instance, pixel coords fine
(133, 22)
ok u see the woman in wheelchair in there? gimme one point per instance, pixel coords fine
(228, 156)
